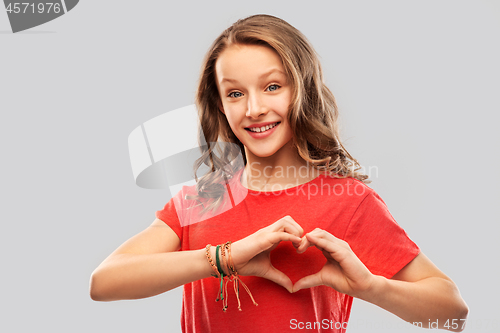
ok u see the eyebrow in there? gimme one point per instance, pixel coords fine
(260, 77)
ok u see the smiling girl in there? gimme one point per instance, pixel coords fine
(298, 231)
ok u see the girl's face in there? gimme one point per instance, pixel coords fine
(255, 93)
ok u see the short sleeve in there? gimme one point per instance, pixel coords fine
(377, 240)
(169, 214)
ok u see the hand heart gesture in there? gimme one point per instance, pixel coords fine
(342, 271)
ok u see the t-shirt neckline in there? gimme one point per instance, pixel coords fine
(238, 175)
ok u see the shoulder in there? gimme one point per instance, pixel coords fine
(346, 187)
(183, 194)
(191, 200)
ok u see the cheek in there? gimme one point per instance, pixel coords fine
(234, 114)
(281, 104)
(233, 120)
(230, 118)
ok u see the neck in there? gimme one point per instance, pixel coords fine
(282, 170)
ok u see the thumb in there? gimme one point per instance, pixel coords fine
(308, 282)
(279, 277)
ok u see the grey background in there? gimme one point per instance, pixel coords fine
(416, 82)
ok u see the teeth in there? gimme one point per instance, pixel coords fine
(263, 128)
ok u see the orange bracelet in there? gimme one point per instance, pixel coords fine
(236, 278)
(233, 275)
(211, 262)
(225, 262)
(231, 267)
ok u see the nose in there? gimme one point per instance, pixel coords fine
(256, 106)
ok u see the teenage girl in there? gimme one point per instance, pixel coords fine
(293, 226)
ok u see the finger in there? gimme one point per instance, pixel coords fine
(325, 235)
(308, 282)
(304, 245)
(290, 225)
(290, 219)
(322, 234)
(338, 249)
(283, 236)
(322, 242)
(296, 243)
(280, 278)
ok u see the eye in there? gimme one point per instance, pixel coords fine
(276, 87)
(231, 94)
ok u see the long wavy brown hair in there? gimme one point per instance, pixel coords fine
(312, 113)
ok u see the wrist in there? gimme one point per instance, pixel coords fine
(219, 263)
(376, 288)
(236, 254)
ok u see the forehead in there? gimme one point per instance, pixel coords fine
(242, 60)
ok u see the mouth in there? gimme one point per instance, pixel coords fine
(263, 128)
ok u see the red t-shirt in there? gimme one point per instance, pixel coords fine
(346, 208)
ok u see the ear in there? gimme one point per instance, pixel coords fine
(221, 108)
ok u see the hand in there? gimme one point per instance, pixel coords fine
(342, 271)
(251, 255)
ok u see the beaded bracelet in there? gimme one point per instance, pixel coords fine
(224, 260)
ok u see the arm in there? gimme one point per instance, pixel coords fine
(149, 263)
(418, 293)
(142, 266)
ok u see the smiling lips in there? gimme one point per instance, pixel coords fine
(262, 128)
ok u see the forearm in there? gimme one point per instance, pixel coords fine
(133, 276)
(426, 301)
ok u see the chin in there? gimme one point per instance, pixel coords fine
(263, 154)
